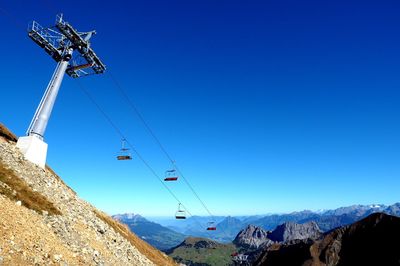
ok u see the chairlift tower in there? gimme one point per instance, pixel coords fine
(72, 51)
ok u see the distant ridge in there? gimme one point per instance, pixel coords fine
(129, 216)
(228, 227)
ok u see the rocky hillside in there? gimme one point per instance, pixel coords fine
(44, 222)
(252, 237)
(371, 241)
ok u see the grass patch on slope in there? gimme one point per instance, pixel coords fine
(18, 189)
(193, 252)
(156, 256)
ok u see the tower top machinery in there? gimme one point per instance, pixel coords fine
(72, 51)
(59, 39)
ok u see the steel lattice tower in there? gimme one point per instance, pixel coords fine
(72, 52)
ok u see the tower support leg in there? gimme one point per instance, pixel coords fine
(32, 146)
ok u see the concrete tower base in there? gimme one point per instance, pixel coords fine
(34, 150)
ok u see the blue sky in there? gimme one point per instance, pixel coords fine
(266, 106)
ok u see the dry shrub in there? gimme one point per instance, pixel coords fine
(18, 189)
(7, 134)
(153, 254)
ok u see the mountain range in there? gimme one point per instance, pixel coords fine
(228, 227)
(169, 233)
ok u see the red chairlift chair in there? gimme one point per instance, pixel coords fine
(171, 175)
(211, 226)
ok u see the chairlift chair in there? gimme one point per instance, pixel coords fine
(124, 153)
(171, 175)
(180, 214)
(211, 226)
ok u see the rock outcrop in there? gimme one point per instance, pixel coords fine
(44, 222)
(253, 240)
(292, 231)
(252, 237)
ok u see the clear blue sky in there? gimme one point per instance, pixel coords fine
(267, 106)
